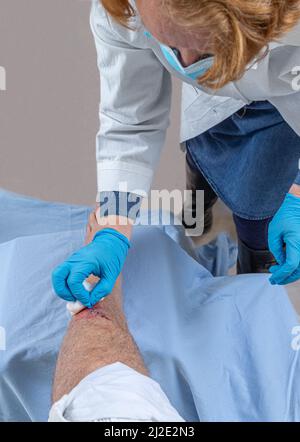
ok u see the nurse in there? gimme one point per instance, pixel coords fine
(239, 62)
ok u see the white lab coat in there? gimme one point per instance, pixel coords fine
(136, 97)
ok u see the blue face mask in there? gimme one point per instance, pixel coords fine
(193, 71)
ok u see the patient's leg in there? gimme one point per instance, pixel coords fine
(95, 338)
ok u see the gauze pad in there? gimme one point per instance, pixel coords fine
(76, 307)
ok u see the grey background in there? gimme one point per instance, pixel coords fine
(49, 112)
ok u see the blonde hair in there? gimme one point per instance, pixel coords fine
(241, 29)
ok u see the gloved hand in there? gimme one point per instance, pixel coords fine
(284, 230)
(104, 257)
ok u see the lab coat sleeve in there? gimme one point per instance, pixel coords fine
(134, 109)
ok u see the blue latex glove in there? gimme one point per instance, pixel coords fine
(103, 257)
(284, 230)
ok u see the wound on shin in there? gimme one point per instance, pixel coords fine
(92, 313)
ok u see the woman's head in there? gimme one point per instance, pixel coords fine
(234, 31)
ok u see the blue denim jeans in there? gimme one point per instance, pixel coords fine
(250, 161)
(253, 233)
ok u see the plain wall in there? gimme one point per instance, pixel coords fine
(49, 112)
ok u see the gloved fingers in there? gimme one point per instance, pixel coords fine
(276, 246)
(290, 266)
(273, 269)
(100, 291)
(293, 278)
(59, 282)
(78, 274)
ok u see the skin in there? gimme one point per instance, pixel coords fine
(95, 338)
(97, 223)
(100, 336)
(192, 45)
(295, 190)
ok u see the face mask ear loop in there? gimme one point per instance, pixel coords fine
(194, 71)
